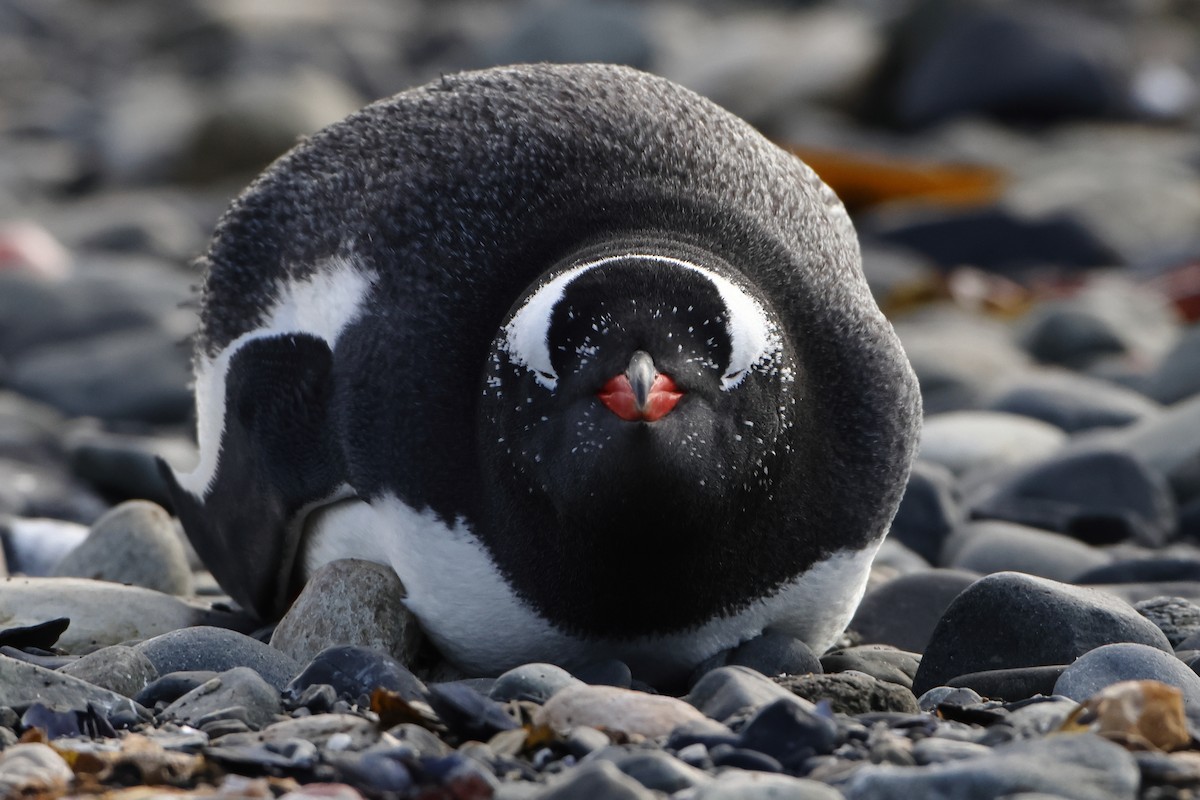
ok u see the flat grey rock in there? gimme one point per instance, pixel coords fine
(207, 648)
(600, 780)
(1113, 663)
(120, 669)
(134, 543)
(736, 784)
(101, 613)
(725, 691)
(1077, 767)
(349, 602)
(239, 688)
(22, 685)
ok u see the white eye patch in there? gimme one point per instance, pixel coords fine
(754, 338)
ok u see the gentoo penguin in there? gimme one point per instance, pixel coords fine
(582, 356)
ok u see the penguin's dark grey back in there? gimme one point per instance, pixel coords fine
(458, 194)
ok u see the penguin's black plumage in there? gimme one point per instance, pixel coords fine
(581, 355)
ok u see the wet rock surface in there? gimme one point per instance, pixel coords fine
(1024, 181)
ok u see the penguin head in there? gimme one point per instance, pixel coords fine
(640, 390)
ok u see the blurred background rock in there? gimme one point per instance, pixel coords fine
(1023, 175)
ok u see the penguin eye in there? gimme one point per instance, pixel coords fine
(546, 375)
(737, 373)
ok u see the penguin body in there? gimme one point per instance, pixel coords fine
(582, 356)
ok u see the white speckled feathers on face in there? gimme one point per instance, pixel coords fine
(454, 198)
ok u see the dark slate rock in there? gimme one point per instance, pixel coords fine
(168, 688)
(789, 733)
(1070, 337)
(134, 543)
(1020, 63)
(1017, 683)
(597, 779)
(1143, 570)
(775, 654)
(904, 611)
(992, 238)
(725, 691)
(1178, 374)
(1014, 620)
(126, 375)
(1170, 444)
(660, 771)
(1098, 494)
(583, 740)
(1133, 593)
(708, 735)
(349, 602)
(379, 772)
(743, 758)
(852, 692)
(41, 636)
(125, 465)
(120, 669)
(991, 546)
(467, 713)
(534, 682)
(206, 648)
(241, 689)
(929, 510)
(879, 661)
(1073, 402)
(1177, 617)
(22, 685)
(609, 672)
(1128, 662)
(354, 671)
(1079, 767)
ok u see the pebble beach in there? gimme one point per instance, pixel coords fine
(1025, 182)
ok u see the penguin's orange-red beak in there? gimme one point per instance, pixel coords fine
(641, 393)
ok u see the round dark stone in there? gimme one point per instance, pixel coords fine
(1009, 685)
(354, 671)
(1014, 620)
(929, 510)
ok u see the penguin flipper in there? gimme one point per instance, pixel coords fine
(278, 459)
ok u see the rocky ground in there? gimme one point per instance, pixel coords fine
(1025, 181)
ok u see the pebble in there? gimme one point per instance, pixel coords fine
(726, 691)
(166, 689)
(1126, 661)
(353, 671)
(1098, 494)
(1013, 620)
(134, 543)
(1176, 617)
(533, 682)
(929, 510)
(207, 648)
(789, 733)
(1072, 401)
(1015, 683)
(615, 709)
(349, 602)
(852, 692)
(33, 769)
(963, 441)
(991, 546)
(240, 690)
(740, 785)
(1080, 767)
(770, 654)
(22, 685)
(598, 779)
(1178, 375)
(904, 612)
(120, 669)
(656, 770)
(470, 715)
(608, 672)
(881, 662)
(101, 613)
